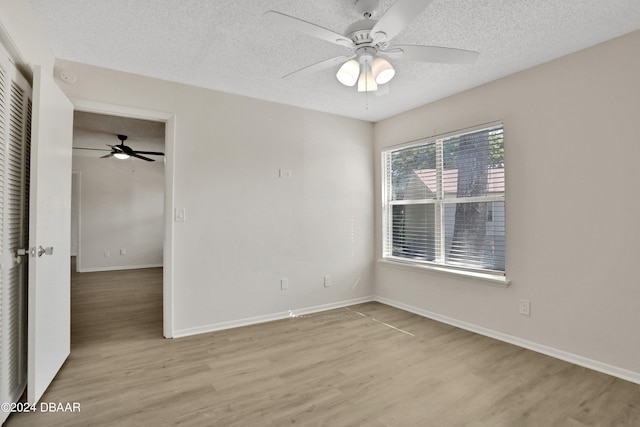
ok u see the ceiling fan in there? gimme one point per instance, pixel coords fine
(369, 62)
(122, 151)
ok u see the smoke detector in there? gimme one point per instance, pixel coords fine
(68, 77)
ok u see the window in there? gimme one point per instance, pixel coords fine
(444, 201)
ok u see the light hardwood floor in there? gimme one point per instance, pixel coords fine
(366, 365)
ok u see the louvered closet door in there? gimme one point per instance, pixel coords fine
(15, 138)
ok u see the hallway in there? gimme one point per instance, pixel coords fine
(115, 316)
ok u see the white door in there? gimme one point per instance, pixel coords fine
(49, 306)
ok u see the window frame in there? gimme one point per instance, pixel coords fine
(439, 203)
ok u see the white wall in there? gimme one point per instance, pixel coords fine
(22, 30)
(572, 152)
(245, 227)
(121, 207)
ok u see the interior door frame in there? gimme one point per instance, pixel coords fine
(76, 209)
(169, 119)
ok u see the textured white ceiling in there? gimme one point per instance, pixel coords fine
(229, 46)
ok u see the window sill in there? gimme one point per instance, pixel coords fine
(492, 279)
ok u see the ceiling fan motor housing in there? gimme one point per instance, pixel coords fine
(366, 54)
(360, 31)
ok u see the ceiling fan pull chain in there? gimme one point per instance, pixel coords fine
(366, 102)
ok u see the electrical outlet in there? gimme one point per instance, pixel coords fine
(284, 284)
(327, 281)
(123, 251)
(107, 254)
(525, 307)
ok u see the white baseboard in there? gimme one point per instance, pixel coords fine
(605, 368)
(530, 345)
(268, 317)
(118, 267)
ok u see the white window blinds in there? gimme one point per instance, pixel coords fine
(444, 201)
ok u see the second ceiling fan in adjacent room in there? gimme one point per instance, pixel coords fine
(121, 151)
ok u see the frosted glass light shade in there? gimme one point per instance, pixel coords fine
(366, 82)
(382, 70)
(121, 156)
(348, 73)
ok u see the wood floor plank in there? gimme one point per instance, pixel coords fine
(365, 365)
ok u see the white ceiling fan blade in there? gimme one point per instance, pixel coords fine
(435, 54)
(308, 28)
(397, 17)
(319, 66)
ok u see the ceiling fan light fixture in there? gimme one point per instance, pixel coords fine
(366, 82)
(370, 42)
(348, 73)
(121, 156)
(382, 70)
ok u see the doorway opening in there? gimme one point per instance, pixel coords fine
(124, 210)
(117, 220)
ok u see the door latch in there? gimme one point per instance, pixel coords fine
(45, 251)
(20, 253)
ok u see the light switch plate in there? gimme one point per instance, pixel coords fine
(180, 215)
(285, 173)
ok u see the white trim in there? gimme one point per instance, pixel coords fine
(493, 279)
(78, 174)
(426, 139)
(116, 267)
(120, 110)
(605, 368)
(169, 166)
(268, 317)
(169, 197)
